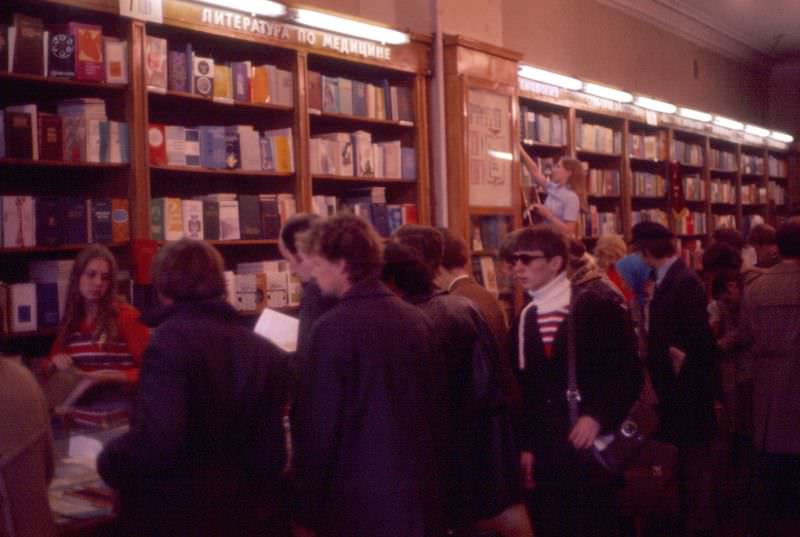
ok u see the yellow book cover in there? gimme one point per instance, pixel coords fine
(260, 85)
(223, 84)
(173, 219)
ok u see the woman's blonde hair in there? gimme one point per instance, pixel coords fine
(576, 180)
(75, 311)
(610, 249)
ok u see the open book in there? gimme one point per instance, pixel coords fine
(279, 328)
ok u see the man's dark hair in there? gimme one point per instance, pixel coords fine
(348, 237)
(189, 270)
(721, 256)
(719, 285)
(788, 239)
(454, 255)
(403, 268)
(658, 248)
(728, 236)
(761, 235)
(425, 240)
(294, 225)
(540, 237)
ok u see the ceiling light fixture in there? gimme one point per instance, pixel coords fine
(266, 8)
(728, 123)
(555, 79)
(757, 131)
(341, 25)
(782, 137)
(696, 115)
(608, 93)
(655, 105)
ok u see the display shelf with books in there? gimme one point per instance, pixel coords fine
(753, 187)
(778, 191)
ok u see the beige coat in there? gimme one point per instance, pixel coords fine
(770, 328)
(26, 455)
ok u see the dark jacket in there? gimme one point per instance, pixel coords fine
(490, 309)
(206, 441)
(481, 471)
(608, 376)
(364, 453)
(770, 327)
(678, 317)
(313, 305)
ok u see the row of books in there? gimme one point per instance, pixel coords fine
(221, 216)
(56, 220)
(545, 128)
(181, 69)
(354, 154)
(79, 132)
(257, 285)
(649, 185)
(488, 232)
(648, 146)
(485, 272)
(73, 51)
(693, 188)
(690, 223)
(687, 153)
(753, 194)
(723, 191)
(604, 182)
(598, 223)
(337, 95)
(777, 167)
(233, 147)
(752, 164)
(720, 159)
(719, 221)
(369, 203)
(649, 215)
(691, 251)
(776, 192)
(597, 138)
(39, 302)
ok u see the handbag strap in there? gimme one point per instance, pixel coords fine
(573, 394)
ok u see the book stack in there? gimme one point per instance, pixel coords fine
(233, 147)
(57, 220)
(263, 284)
(597, 138)
(544, 128)
(220, 216)
(337, 95)
(354, 154)
(74, 50)
(369, 203)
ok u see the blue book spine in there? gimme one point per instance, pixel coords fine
(380, 218)
(241, 82)
(395, 214)
(212, 147)
(408, 157)
(49, 221)
(75, 231)
(47, 304)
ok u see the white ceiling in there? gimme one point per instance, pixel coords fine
(754, 30)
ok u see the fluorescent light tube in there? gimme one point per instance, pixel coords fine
(266, 8)
(696, 115)
(608, 93)
(728, 123)
(782, 137)
(502, 155)
(758, 131)
(658, 106)
(540, 75)
(352, 27)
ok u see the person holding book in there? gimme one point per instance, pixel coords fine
(206, 450)
(364, 451)
(566, 193)
(570, 495)
(99, 336)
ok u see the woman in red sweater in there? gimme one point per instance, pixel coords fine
(99, 334)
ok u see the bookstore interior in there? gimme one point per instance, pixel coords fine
(201, 119)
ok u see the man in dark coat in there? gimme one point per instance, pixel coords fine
(571, 496)
(206, 447)
(680, 356)
(770, 330)
(364, 453)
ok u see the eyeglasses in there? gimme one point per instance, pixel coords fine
(526, 259)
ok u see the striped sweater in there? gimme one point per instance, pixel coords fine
(550, 304)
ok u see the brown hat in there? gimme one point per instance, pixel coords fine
(649, 231)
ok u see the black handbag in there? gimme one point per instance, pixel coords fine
(613, 452)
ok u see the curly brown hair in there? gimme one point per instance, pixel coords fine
(346, 237)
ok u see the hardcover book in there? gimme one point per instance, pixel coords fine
(284, 87)
(49, 221)
(192, 213)
(203, 76)
(260, 88)
(270, 216)
(249, 217)
(240, 75)
(345, 96)
(75, 231)
(28, 45)
(18, 135)
(61, 52)
(177, 71)
(89, 51)
(116, 60)
(22, 313)
(19, 226)
(212, 147)
(46, 304)
(175, 141)
(120, 220)
(155, 63)
(102, 229)
(330, 94)
(223, 83)
(157, 145)
(314, 92)
(233, 156)
(51, 142)
(210, 220)
(191, 146)
(229, 221)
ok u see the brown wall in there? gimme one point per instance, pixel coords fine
(784, 97)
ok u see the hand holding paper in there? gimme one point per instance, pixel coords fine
(279, 328)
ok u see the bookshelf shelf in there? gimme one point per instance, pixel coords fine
(542, 146)
(362, 179)
(753, 176)
(199, 99)
(191, 170)
(606, 197)
(342, 120)
(62, 82)
(597, 154)
(645, 161)
(44, 332)
(60, 164)
(721, 171)
(60, 248)
(255, 242)
(694, 167)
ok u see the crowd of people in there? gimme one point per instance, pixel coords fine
(412, 406)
